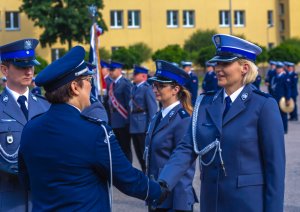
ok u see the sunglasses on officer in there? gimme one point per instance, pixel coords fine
(160, 85)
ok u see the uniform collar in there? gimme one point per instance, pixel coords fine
(234, 95)
(141, 83)
(16, 95)
(165, 111)
(117, 80)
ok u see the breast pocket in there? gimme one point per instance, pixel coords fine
(250, 180)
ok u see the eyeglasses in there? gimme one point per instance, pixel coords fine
(159, 86)
(89, 79)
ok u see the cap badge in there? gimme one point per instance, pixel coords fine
(218, 40)
(34, 98)
(5, 99)
(28, 44)
(158, 65)
(172, 113)
(244, 96)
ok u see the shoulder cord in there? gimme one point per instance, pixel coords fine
(215, 144)
(110, 183)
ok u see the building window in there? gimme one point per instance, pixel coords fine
(282, 27)
(12, 21)
(172, 18)
(188, 18)
(57, 53)
(116, 19)
(270, 45)
(224, 18)
(281, 9)
(134, 19)
(239, 18)
(270, 18)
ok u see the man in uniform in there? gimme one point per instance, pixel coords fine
(210, 82)
(294, 88)
(17, 106)
(143, 107)
(68, 160)
(270, 75)
(118, 99)
(192, 83)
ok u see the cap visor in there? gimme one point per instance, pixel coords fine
(157, 79)
(225, 59)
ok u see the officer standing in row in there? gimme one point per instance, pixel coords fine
(294, 89)
(143, 107)
(17, 106)
(118, 99)
(257, 81)
(270, 75)
(192, 84)
(210, 81)
(238, 135)
(281, 87)
(68, 160)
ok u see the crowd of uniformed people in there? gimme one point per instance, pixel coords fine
(65, 151)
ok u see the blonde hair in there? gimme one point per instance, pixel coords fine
(184, 97)
(252, 72)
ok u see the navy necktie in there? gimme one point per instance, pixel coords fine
(21, 100)
(227, 105)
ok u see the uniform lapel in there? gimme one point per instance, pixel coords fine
(11, 108)
(238, 105)
(215, 110)
(34, 106)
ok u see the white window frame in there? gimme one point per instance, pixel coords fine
(11, 20)
(222, 15)
(239, 17)
(131, 14)
(187, 14)
(170, 16)
(115, 18)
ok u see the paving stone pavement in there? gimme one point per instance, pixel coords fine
(292, 184)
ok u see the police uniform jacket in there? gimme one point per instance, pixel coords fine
(64, 159)
(281, 86)
(252, 142)
(294, 84)
(160, 143)
(257, 82)
(143, 107)
(122, 90)
(210, 82)
(192, 86)
(12, 121)
(269, 79)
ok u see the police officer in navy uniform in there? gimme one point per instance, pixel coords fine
(143, 107)
(210, 82)
(270, 75)
(17, 106)
(69, 161)
(192, 84)
(118, 99)
(294, 89)
(281, 87)
(167, 129)
(238, 135)
(257, 81)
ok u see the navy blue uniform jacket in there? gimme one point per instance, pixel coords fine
(64, 160)
(252, 142)
(192, 86)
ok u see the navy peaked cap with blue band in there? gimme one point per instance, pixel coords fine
(64, 70)
(104, 64)
(272, 62)
(140, 69)
(230, 48)
(186, 63)
(20, 53)
(279, 64)
(289, 63)
(210, 64)
(114, 65)
(167, 73)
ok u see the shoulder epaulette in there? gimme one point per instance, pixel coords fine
(262, 93)
(92, 119)
(183, 113)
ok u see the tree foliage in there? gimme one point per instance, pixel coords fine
(63, 21)
(205, 54)
(43, 64)
(104, 54)
(198, 40)
(141, 52)
(285, 52)
(124, 56)
(171, 53)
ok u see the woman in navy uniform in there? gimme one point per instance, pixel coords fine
(69, 161)
(238, 135)
(166, 130)
(17, 106)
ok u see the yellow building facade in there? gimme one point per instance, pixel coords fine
(162, 22)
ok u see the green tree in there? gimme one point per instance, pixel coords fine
(63, 21)
(43, 64)
(264, 56)
(104, 54)
(205, 54)
(123, 55)
(171, 53)
(141, 52)
(285, 52)
(198, 40)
